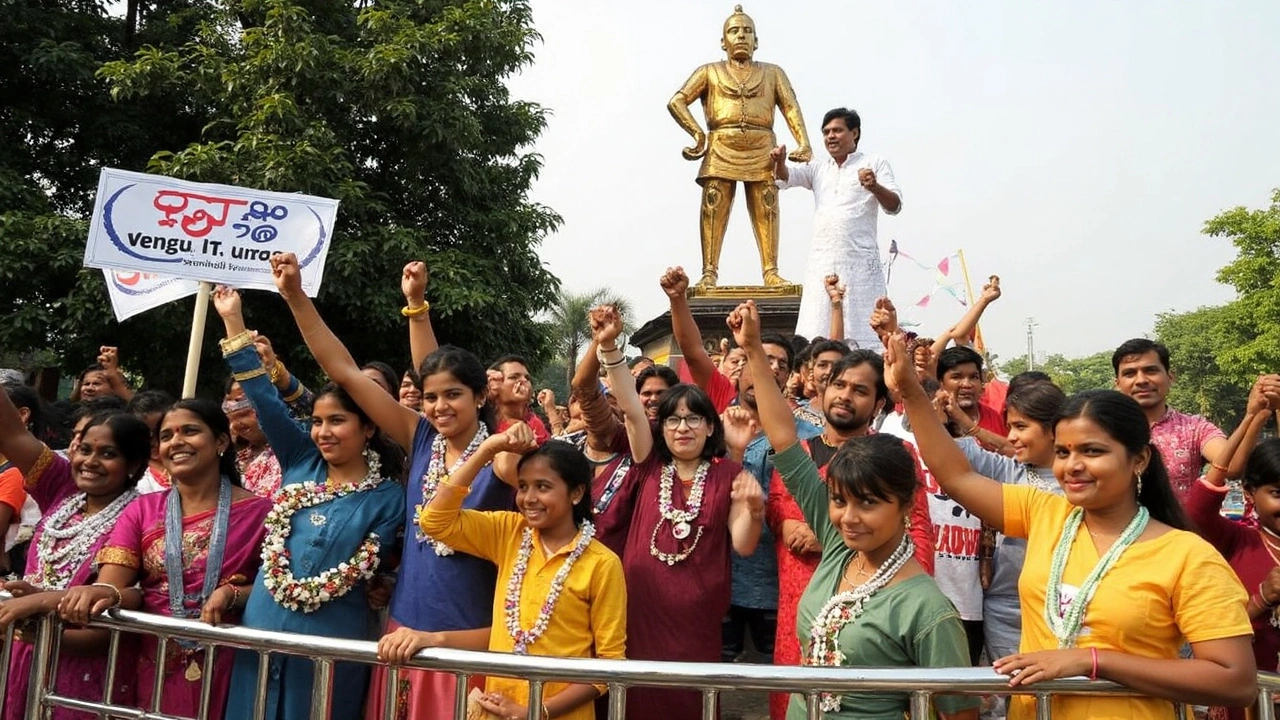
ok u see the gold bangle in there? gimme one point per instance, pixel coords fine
(249, 374)
(972, 431)
(277, 372)
(1218, 467)
(113, 589)
(236, 342)
(410, 311)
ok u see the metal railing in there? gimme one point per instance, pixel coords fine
(711, 679)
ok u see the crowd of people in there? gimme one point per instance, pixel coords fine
(895, 506)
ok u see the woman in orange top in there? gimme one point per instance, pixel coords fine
(567, 598)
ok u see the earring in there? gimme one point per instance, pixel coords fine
(1139, 479)
(906, 521)
(365, 453)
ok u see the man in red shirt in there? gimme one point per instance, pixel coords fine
(960, 374)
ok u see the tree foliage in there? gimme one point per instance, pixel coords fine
(570, 329)
(397, 108)
(1073, 375)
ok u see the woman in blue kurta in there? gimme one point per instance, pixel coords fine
(336, 505)
(438, 590)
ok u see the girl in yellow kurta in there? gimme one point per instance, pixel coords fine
(560, 592)
(1113, 584)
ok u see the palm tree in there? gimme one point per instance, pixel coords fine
(570, 331)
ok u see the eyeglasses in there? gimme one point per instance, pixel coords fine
(693, 421)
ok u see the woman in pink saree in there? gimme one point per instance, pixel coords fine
(220, 524)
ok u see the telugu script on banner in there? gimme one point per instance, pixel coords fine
(171, 228)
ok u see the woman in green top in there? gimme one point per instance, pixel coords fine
(869, 604)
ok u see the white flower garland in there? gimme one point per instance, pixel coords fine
(436, 473)
(680, 519)
(524, 638)
(56, 566)
(842, 609)
(308, 594)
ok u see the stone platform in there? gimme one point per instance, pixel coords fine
(779, 307)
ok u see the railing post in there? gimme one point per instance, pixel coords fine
(5, 654)
(1266, 704)
(460, 696)
(40, 665)
(617, 701)
(206, 681)
(113, 656)
(534, 710)
(321, 689)
(920, 705)
(391, 694)
(812, 706)
(260, 691)
(162, 659)
(709, 701)
(1044, 706)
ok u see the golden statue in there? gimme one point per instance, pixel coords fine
(739, 96)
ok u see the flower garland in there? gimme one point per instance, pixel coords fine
(1037, 480)
(436, 473)
(844, 608)
(56, 565)
(680, 519)
(308, 594)
(524, 638)
(1066, 625)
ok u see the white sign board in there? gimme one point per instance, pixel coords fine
(133, 292)
(218, 233)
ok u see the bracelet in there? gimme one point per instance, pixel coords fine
(1263, 597)
(113, 589)
(409, 311)
(1218, 467)
(249, 374)
(546, 712)
(277, 372)
(971, 431)
(236, 342)
(235, 597)
(1093, 674)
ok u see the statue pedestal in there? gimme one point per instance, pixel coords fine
(779, 307)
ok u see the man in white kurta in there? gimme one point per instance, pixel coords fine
(849, 188)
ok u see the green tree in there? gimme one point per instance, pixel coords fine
(1196, 341)
(1073, 375)
(570, 330)
(397, 108)
(1251, 322)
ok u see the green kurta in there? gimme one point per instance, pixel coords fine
(908, 624)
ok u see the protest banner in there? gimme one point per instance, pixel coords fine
(134, 292)
(175, 229)
(215, 233)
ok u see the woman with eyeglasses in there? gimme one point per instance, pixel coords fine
(690, 506)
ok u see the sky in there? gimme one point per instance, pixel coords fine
(1073, 149)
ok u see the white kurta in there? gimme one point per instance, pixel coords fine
(844, 243)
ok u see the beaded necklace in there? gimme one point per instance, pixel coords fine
(1066, 624)
(521, 637)
(436, 473)
(1037, 481)
(843, 609)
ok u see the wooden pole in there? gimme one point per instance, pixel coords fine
(197, 339)
(968, 287)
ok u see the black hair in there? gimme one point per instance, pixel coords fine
(639, 359)
(1139, 346)
(391, 454)
(466, 368)
(388, 374)
(573, 467)
(856, 358)
(75, 391)
(1039, 402)
(414, 378)
(822, 345)
(698, 404)
(1023, 379)
(147, 402)
(662, 372)
(497, 364)
(1264, 465)
(25, 396)
(100, 404)
(210, 413)
(850, 117)
(803, 356)
(776, 339)
(131, 437)
(1122, 418)
(798, 344)
(874, 466)
(956, 356)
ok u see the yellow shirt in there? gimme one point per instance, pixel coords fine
(590, 616)
(1160, 593)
